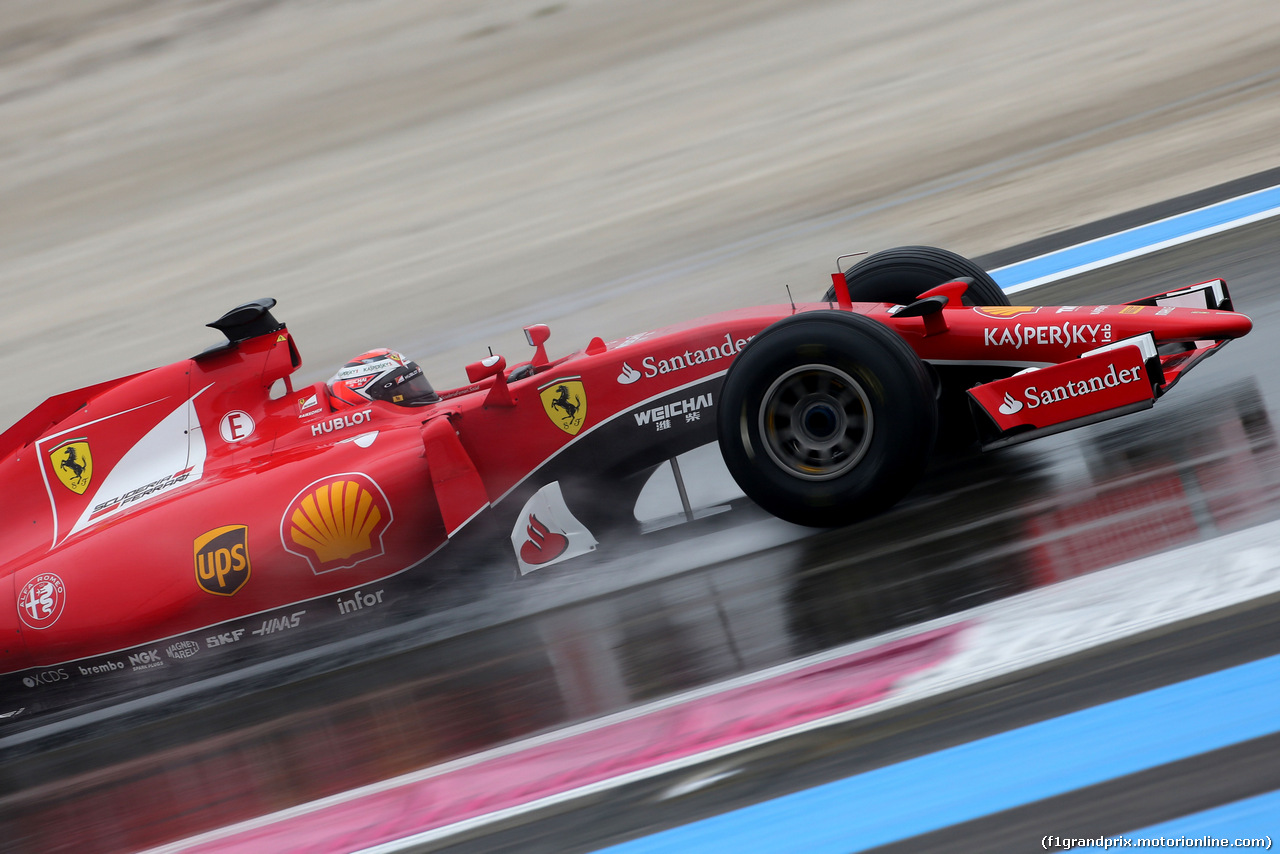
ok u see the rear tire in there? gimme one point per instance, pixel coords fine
(826, 418)
(900, 275)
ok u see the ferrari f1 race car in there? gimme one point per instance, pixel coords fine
(207, 509)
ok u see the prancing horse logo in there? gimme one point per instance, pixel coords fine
(73, 464)
(565, 402)
(561, 402)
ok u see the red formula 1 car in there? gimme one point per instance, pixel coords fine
(205, 510)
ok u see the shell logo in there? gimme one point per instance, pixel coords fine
(1006, 310)
(337, 522)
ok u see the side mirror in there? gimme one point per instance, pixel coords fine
(953, 290)
(485, 368)
(499, 394)
(921, 307)
(537, 336)
(927, 308)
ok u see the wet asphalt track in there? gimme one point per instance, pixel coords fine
(801, 762)
(1248, 261)
(1204, 461)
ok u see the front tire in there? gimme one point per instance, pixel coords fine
(826, 418)
(901, 274)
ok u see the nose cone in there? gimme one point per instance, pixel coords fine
(1234, 325)
(1201, 325)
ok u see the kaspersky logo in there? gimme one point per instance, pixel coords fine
(222, 559)
(337, 522)
(73, 464)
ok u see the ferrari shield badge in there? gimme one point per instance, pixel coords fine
(565, 401)
(73, 464)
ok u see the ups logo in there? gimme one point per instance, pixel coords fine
(222, 559)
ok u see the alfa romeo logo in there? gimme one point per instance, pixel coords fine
(41, 601)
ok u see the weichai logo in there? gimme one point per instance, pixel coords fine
(222, 559)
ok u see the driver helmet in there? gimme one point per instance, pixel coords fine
(380, 374)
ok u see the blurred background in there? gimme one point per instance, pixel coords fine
(431, 175)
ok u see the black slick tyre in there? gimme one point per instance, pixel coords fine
(826, 418)
(901, 274)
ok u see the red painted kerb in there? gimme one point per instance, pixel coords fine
(702, 723)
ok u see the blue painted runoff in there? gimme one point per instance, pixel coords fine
(1174, 228)
(1000, 772)
(1249, 819)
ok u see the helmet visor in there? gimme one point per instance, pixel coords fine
(407, 386)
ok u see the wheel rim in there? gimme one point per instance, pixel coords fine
(816, 422)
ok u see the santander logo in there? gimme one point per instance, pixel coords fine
(1010, 406)
(1069, 389)
(1105, 381)
(546, 532)
(543, 545)
(652, 366)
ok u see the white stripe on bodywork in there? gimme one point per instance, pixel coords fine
(172, 446)
(40, 457)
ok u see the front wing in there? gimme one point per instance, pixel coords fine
(1107, 382)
